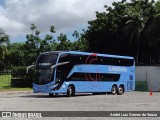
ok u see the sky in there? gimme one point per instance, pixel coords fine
(16, 16)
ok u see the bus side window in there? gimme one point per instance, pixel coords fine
(66, 67)
(126, 62)
(107, 61)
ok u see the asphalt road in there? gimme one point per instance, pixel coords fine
(130, 101)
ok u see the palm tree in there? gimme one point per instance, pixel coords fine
(4, 41)
(137, 20)
(135, 24)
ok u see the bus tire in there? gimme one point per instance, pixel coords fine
(94, 93)
(114, 90)
(51, 94)
(70, 91)
(120, 90)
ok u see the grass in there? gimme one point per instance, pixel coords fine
(5, 84)
(5, 80)
(15, 89)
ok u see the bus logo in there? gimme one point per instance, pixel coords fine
(117, 69)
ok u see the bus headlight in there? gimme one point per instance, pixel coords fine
(63, 86)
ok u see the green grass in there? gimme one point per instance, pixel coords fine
(5, 84)
(141, 86)
(14, 89)
(5, 80)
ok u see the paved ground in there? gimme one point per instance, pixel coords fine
(131, 101)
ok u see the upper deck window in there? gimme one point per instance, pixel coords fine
(46, 60)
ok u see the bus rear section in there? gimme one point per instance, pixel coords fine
(80, 72)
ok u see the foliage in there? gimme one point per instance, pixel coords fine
(20, 78)
(122, 29)
(35, 45)
(6, 84)
(125, 28)
(81, 44)
(4, 41)
(19, 72)
(1, 66)
(21, 83)
(15, 57)
(141, 86)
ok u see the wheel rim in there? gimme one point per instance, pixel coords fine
(114, 90)
(121, 90)
(70, 91)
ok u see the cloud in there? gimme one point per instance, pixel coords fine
(66, 15)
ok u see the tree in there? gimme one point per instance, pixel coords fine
(4, 41)
(35, 45)
(139, 11)
(16, 55)
(153, 37)
(105, 34)
(64, 43)
(122, 28)
(80, 44)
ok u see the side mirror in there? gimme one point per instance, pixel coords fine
(53, 66)
(29, 68)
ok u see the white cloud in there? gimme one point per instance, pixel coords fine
(66, 15)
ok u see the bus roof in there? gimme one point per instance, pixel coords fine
(87, 53)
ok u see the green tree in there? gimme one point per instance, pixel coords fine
(138, 12)
(80, 44)
(15, 56)
(105, 34)
(4, 41)
(35, 45)
(64, 43)
(122, 28)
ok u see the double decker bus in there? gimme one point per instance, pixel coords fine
(70, 72)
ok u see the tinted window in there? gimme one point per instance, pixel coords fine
(46, 60)
(94, 77)
(116, 61)
(73, 59)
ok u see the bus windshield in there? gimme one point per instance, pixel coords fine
(46, 60)
(43, 72)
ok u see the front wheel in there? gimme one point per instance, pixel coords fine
(51, 94)
(70, 91)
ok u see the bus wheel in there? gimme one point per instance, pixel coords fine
(51, 94)
(94, 93)
(70, 91)
(120, 90)
(114, 90)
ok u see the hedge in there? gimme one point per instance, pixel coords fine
(141, 86)
(20, 83)
(20, 78)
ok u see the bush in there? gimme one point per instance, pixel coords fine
(1, 66)
(21, 83)
(141, 86)
(19, 72)
(20, 78)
